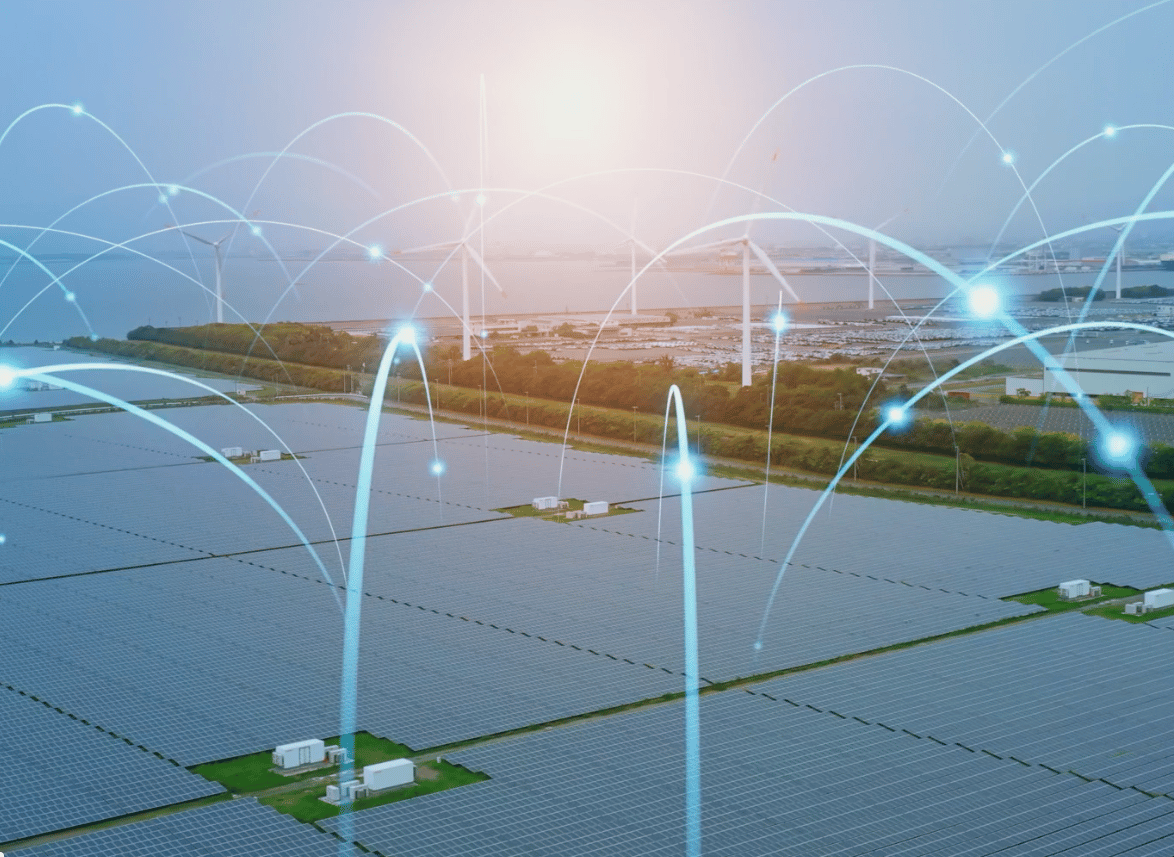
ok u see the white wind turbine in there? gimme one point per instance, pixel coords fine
(872, 258)
(466, 251)
(748, 247)
(215, 245)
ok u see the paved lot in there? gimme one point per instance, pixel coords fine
(1150, 428)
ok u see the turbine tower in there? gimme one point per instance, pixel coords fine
(215, 245)
(466, 251)
(872, 258)
(1120, 253)
(632, 248)
(748, 247)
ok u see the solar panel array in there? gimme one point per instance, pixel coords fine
(129, 386)
(475, 623)
(959, 550)
(216, 659)
(1073, 692)
(776, 780)
(603, 593)
(239, 828)
(60, 772)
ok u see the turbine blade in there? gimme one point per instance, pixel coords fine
(770, 266)
(446, 245)
(197, 238)
(481, 262)
(684, 251)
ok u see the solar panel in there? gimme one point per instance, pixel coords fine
(776, 780)
(239, 828)
(63, 773)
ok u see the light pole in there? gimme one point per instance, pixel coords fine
(633, 423)
(1083, 483)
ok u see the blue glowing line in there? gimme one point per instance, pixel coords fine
(1027, 338)
(78, 110)
(348, 695)
(47, 374)
(779, 326)
(10, 374)
(692, 668)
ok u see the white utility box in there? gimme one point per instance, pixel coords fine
(543, 503)
(42, 417)
(350, 790)
(269, 454)
(1156, 599)
(309, 752)
(596, 507)
(385, 775)
(233, 452)
(1075, 589)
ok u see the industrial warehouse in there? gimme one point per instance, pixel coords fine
(1143, 370)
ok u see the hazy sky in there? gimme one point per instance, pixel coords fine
(653, 89)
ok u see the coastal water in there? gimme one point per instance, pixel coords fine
(113, 296)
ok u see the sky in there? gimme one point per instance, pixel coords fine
(617, 112)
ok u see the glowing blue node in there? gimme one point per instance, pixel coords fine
(1110, 131)
(173, 190)
(779, 322)
(93, 337)
(427, 287)
(162, 199)
(896, 415)
(1008, 158)
(70, 296)
(484, 334)
(374, 252)
(256, 230)
(685, 470)
(481, 199)
(758, 645)
(1119, 448)
(7, 376)
(437, 468)
(984, 301)
(407, 335)
(3, 538)
(77, 108)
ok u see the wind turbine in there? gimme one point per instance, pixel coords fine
(748, 247)
(872, 257)
(215, 245)
(466, 251)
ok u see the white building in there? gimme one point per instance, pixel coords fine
(1146, 369)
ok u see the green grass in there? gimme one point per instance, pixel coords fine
(299, 795)
(304, 804)
(247, 774)
(1050, 599)
(1117, 611)
(934, 497)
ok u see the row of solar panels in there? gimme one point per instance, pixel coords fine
(775, 780)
